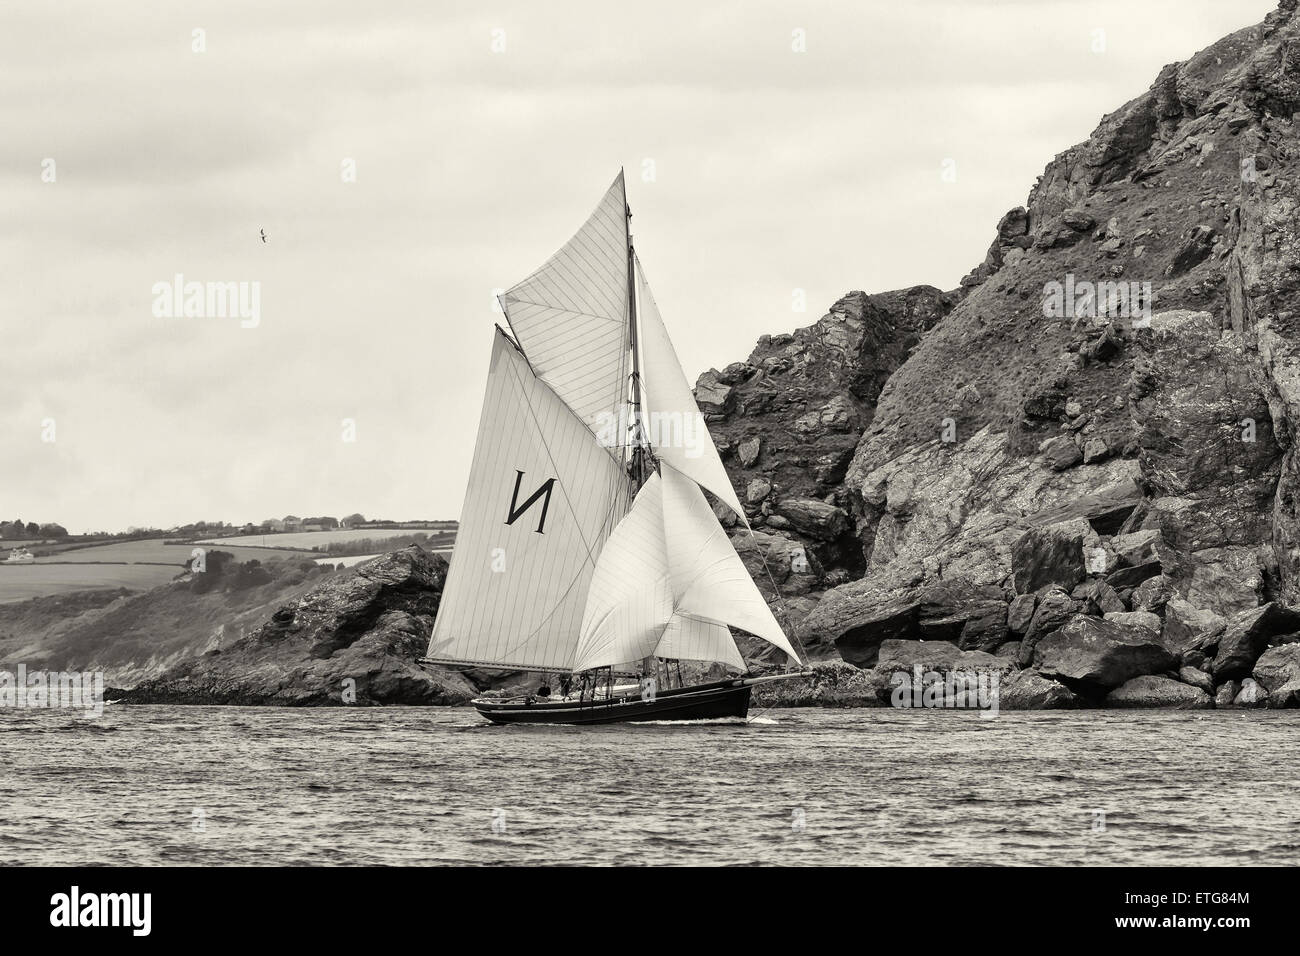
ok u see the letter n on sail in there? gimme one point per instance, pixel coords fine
(516, 509)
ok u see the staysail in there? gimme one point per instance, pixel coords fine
(708, 578)
(669, 583)
(571, 316)
(543, 497)
(672, 419)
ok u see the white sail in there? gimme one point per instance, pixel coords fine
(690, 638)
(672, 419)
(631, 599)
(709, 580)
(571, 317)
(542, 499)
(669, 583)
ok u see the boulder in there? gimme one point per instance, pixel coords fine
(1138, 547)
(713, 396)
(896, 655)
(832, 684)
(1245, 635)
(1250, 695)
(1188, 628)
(985, 628)
(1020, 612)
(1046, 556)
(1152, 594)
(1095, 449)
(1278, 672)
(903, 655)
(1030, 690)
(857, 621)
(816, 519)
(1226, 693)
(1054, 609)
(1197, 678)
(748, 451)
(757, 490)
(1145, 619)
(1288, 695)
(1062, 453)
(1133, 576)
(1078, 220)
(1152, 691)
(1106, 510)
(1092, 656)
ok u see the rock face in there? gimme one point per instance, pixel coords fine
(357, 637)
(1099, 420)
(938, 612)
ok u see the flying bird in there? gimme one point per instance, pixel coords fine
(263, 235)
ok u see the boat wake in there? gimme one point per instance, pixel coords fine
(702, 722)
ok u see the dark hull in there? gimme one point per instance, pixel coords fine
(701, 702)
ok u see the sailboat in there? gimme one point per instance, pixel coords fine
(587, 550)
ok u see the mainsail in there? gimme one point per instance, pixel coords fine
(542, 498)
(554, 568)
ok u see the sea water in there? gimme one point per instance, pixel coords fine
(243, 785)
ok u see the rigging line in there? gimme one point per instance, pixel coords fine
(776, 590)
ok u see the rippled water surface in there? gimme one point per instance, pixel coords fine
(427, 785)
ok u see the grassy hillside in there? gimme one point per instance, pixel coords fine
(133, 636)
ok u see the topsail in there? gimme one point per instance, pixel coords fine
(571, 315)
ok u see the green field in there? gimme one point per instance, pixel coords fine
(307, 540)
(139, 565)
(23, 581)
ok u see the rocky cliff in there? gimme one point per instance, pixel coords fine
(1083, 459)
(352, 640)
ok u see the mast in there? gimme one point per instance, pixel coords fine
(636, 464)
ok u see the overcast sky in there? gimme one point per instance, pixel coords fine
(774, 170)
